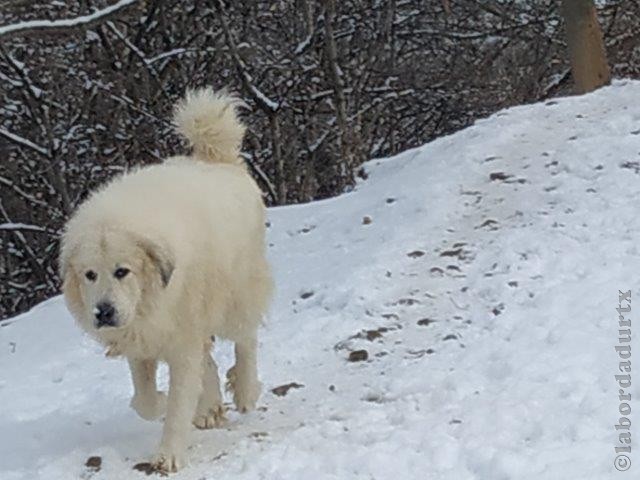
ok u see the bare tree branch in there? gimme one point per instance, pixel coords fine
(22, 193)
(24, 142)
(49, 26)
(24, 227)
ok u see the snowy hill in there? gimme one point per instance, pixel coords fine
(480, 273)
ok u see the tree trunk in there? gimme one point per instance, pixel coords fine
(586, 48)
(335, 74)
(276, 152)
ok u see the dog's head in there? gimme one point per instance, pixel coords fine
(109, 277)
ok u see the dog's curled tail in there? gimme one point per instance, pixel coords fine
(209, 121)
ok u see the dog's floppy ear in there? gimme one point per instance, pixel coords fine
(70, 283)
(66, 252)
(160, 257)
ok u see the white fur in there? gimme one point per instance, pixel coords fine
(191, 232)
(215, 141)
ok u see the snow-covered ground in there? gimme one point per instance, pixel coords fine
(479, 272)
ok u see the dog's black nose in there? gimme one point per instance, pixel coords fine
(105, 315)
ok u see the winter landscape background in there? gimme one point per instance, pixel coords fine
(450, 229)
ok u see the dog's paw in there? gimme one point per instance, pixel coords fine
(167, 462)
(212, 418)
(112, 351)
(246, 399)
(230, 385)
(245, 391)
(150, 407)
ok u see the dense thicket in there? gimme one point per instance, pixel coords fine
(328, 85)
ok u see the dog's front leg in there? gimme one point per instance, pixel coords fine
(147, 401)
(185, 385)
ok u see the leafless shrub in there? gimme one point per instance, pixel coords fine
(329, 85)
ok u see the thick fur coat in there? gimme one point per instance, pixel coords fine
(162, 259)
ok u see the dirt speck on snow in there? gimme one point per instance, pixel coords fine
(282, 390)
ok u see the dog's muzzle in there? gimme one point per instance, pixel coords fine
(105, 315)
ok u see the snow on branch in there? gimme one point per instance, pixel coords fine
(70, 23)
(22, 193)
(261, 98)
(21, 226)
(170, 53)
(24, 142)
(263, 102)
(260, 173)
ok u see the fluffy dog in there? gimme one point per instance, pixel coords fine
(162, 259)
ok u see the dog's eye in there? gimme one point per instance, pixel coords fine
(121, 273)
(91, 275)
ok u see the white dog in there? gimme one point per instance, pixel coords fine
(162, 259)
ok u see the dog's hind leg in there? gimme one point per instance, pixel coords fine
(243, 376)
(147, 401)
(250, 306)
(210, 410)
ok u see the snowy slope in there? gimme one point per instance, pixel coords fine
(483, 286)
